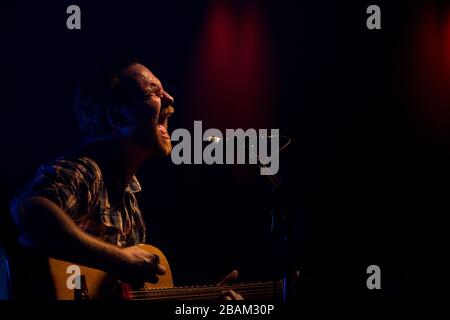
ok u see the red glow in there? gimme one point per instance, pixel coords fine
(232, 68)
(430, 68)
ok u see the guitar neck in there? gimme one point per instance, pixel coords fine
(252, 291)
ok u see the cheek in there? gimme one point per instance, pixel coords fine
(145, 114)
(152, 109)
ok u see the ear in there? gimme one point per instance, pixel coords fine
(116, 119)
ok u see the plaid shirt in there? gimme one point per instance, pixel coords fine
(77, 187)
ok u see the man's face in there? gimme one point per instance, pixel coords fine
(149, 109)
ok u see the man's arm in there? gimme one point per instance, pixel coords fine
(46, 227)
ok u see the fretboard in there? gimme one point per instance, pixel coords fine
(250, 291)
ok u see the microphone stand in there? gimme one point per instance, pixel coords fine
(279, 230)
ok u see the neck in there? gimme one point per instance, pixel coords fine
(119, 158)
(252, 291)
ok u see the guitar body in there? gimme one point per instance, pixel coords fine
(96, 284)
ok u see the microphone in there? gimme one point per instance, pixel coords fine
(213, 139)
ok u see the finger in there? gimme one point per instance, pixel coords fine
(155, 266)
(239, 297)
(160, 269)
(153, 279)
(230, 278)
(234, 295)
(231, 295)
(147, 256)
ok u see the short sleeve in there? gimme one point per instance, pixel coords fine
(69, 183)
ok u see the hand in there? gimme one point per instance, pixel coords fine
(140, 266)
(228, 280)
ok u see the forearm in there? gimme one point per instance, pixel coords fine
(46, 227)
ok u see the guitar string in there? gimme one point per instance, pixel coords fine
(252, 291)
(212, 287)
(171, 291)
(251, 294)
(193, 293)
(162, 292)
(216, 297)
(254, 295)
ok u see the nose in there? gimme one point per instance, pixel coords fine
(167, 99)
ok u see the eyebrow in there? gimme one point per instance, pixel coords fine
(152, 82)
(153, 87)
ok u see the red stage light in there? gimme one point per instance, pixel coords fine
(232, 68)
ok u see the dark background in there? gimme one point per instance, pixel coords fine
(367, 171)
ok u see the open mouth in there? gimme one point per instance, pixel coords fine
(163, 122)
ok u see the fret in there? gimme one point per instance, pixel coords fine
(262, 290)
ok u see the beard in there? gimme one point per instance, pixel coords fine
(164, 145)
(149, 137)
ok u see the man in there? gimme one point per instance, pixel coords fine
(82, 207)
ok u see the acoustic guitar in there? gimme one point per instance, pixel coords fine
(96, 284)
